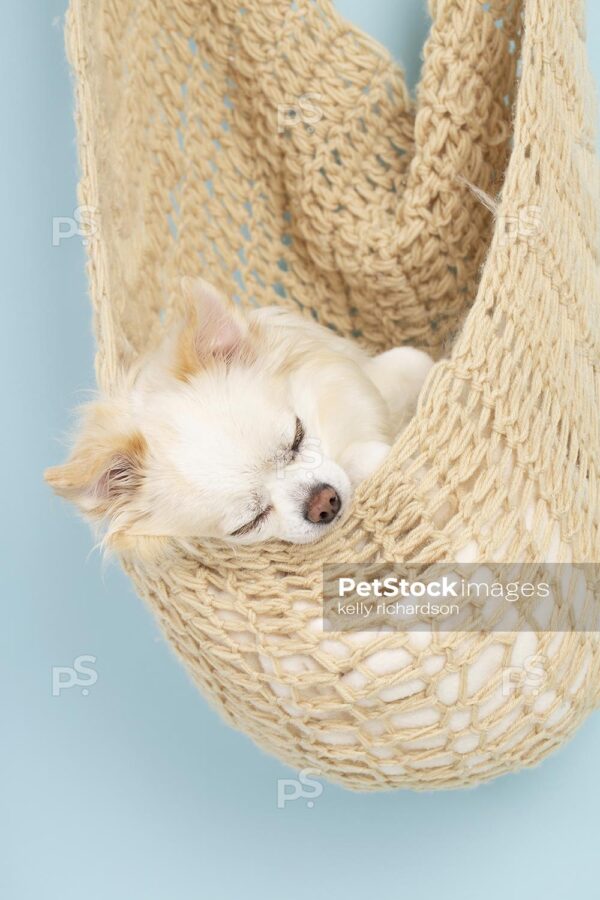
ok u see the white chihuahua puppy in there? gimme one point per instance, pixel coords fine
(242, 426)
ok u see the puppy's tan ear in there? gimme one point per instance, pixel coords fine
(213, 329)
(106, 466)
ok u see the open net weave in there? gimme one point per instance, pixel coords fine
(275, 149)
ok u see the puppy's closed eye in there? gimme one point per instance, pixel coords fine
(298, 436)
(250, 526)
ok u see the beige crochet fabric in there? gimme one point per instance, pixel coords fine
(276, 150)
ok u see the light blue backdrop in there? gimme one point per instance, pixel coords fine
(133, 789)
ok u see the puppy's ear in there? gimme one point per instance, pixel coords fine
(212, 329)
(106, 467)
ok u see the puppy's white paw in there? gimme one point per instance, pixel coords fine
(401, 364)
(399, 375)
(361, 459)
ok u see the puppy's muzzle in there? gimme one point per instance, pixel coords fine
(323, 505)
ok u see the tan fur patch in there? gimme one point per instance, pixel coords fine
(187, 361)
(100, 455)
(136, 448)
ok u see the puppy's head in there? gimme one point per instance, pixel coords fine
(215, 435)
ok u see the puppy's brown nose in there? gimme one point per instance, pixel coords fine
(323, 505)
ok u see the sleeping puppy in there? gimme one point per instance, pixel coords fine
(242, 426)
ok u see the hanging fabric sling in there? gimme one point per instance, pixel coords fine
(275, 149)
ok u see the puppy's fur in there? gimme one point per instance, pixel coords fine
(240, 426)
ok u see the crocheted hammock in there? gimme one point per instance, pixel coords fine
(275, 149)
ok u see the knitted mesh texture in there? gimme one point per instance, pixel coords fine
(276, 150)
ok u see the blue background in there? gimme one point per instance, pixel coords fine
(136, 790)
